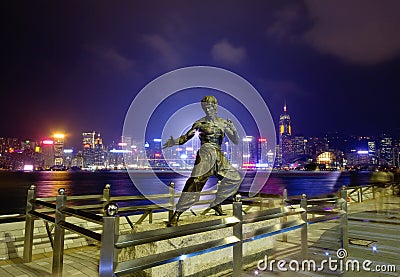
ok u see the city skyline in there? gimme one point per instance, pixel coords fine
(285, 116)
(299, 152)
(73, 67)
(292, 151)
(284, 119)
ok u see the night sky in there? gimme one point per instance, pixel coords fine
(76, 66)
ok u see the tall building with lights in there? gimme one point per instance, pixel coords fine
(285, 127)
(47, 150)
(372, 151)
(262, 151)
(285, 137)
(58, 149)
(88, 140)
(68, 156)
(386, 150)
(249, 152)
(299, 146)
(98, 152)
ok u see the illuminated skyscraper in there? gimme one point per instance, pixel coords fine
(386, 150)
(77, 160)
(249, 152)
(285, 137)
(287, 149)
(98, 152)
(58, 149)
(284, 124)
(372, 151)
(262, 151)
(299, 146)
(88, 140)
(396, 155)
(68, 155)
(48, 153)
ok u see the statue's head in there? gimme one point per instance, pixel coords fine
(209, 104)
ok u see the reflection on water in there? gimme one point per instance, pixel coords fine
(311, 184)
(14, 185)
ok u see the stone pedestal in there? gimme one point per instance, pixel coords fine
(213, 263)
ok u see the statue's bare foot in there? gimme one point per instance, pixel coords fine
(173, 221)
(218, 210)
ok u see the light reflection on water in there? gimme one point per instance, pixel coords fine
(14, 185)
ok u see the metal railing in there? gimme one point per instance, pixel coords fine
(55, 210)
(293, 215)
(367, 192)
(112, 242)
(322, 210)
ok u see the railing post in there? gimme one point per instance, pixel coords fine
(359, 193)
(284, 218)
(106, 196)
(108, 252)
(373, 191)
(238, 232)
(29, 225)
(343, 220)
(58, 250)
(304, 238)
(261, 204)
(171, 199)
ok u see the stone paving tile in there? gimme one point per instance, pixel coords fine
(3, 272)
(13, 270)
(78, 263)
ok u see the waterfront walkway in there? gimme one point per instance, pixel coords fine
(374, 234)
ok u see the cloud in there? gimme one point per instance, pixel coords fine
(225, 52)
(111, 57)
(363, 32)
(283, 28)
(168, 54)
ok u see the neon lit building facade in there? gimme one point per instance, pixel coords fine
(88, 139)
(285, 137)
(47, 149)
(58, 149)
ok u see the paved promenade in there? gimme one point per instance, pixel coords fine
(374, 233)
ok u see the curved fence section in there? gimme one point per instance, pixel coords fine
(103, 210)
(295, 213)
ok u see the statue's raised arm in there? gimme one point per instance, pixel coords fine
(182, 139)
(231, 132)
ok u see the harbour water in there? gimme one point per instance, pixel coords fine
(14, 185)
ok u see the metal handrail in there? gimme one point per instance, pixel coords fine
(173, 232)
(108, 260)
(42, 215)
(333, 215)
(108, 255)
(43, 203)
(12, 218)
(142, 263)
(80, 230)
(112, 241)
(271, 214)
(74, 197)
(361, 191)
(154, 196)
(273, 230)
(83, 215)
